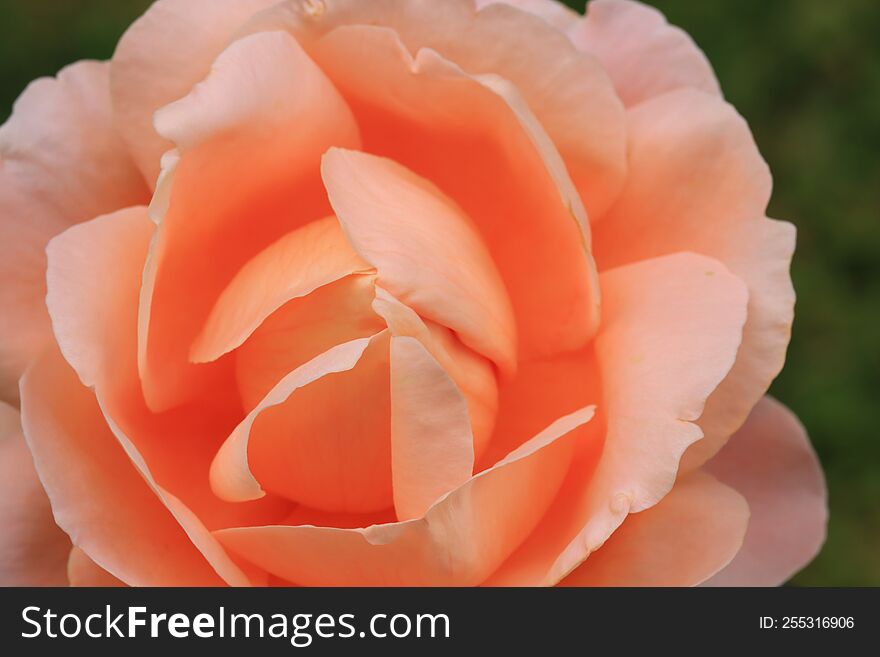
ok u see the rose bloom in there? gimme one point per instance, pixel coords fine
(395, 292)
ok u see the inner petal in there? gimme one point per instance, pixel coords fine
(329, 445)
(425, 249)
(303, 260)
(302, 329)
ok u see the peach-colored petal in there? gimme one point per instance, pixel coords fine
(557, 14)
(698, 183)
(567, 90)
(417, 239)
(97, 495)
(300, 262)
(231, 476)
(673, 328)
(771, 462)
(477, 141)
(473, 374)
(94, 271)
(301, 330)
(461, 539)
(159, 59)
(687, 537)
(33, 550)
(94, 278)
(543, 389)
(250, 139)
(60, 163)
(328, 445)
(645, 55)
(670, 331)
(432, 447)
(82, 571)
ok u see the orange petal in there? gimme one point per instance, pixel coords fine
(99, 498)
(644, 55)
(93, 276)
(95, 317)
(688, 536)
(82, 571)
(33, 550)
(771, 462)
(472, 374)
(477, 141)
(247, 173)
(419, 262)
(698, 183)
(231, 476)
(461, 539)
(670, 332)
(297, 264)
(542, 390)
(159, 59)
(60, 163)
(328, 445)
(432, 447)
(568, 91)
(301, 330)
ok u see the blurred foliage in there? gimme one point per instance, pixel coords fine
(806, 75)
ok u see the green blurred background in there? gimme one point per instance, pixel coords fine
(806, 75)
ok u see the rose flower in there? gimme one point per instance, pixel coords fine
(394, 292)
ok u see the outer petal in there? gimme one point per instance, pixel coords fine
(670, 333)
(82, 571)
(250, 137)
(644, 55)
(33, 550)
(557, 14)
(419, 262)
(698, 183)
(98, 496)
(770, 461)
(687, 537)
(461, 539)
(60, 163)
(159, 59)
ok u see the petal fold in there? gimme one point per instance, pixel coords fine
(297, 264)
(432, 447)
